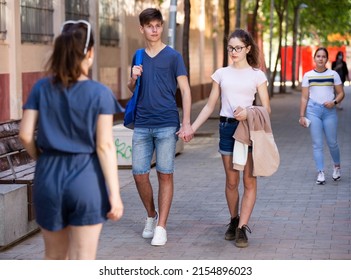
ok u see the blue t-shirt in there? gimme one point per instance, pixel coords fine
(157, 105)
(68, 116)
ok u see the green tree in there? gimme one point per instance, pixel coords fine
(311, 20)
(324, 18)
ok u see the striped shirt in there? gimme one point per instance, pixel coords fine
(321, 85)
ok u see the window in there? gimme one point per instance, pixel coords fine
(109, 22)
(77, 9)
(37, 21)
(2, 20)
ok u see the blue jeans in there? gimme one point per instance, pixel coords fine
(324, 122)
(147, 140)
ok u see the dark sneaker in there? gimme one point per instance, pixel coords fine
(241, 240)
(230, 233)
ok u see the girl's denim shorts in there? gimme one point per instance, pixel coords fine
(226, 140)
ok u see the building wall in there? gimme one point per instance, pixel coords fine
(4, 96)
(4, 53)
(21, 65)
(33, 59)
(4, 83)
(110, 69)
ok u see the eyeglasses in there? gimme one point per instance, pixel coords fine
(236, 49)
(69, 23)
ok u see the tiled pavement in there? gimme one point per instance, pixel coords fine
(293, 218)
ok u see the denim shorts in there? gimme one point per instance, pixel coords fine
(146, 141)
(226, 140)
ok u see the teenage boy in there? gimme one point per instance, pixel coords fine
(157, 123)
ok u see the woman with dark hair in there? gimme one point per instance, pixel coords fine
(322, 90)
(237, 85)
(76, 186)
(340, 66)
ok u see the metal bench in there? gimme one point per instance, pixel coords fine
(16, 166)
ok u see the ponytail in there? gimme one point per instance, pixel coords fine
(69, 52)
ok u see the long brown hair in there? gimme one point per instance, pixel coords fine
(68, 53)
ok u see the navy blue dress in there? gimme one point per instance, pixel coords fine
(69, 186)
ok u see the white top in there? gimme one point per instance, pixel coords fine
(238, 87)
(321, 85)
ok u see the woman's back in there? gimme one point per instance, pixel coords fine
(68, 116)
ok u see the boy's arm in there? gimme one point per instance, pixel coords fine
(184, 87)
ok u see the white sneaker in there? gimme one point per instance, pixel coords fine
(160, 237)
(320, 178)
(150, 224)
(336, 174)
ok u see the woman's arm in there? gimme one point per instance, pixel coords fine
(264, 96)
(106, 152)
(339, 93)
(27, 130)
(208, 109)
(303, 105)
(339, 96)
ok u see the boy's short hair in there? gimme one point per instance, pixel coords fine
(148, 15)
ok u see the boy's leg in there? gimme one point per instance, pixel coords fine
(145, 191)
(142, 151)
(165, 142)
(165, 197)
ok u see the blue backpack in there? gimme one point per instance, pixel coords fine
(130, 111)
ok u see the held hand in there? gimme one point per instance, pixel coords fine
(182, 135)
(186, 133)
(117, 208)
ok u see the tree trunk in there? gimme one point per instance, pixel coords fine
(226, 31)
(283, 77)
(254, 20)
(295, 27)
(238, 13)
(280, 12)
(186, 32)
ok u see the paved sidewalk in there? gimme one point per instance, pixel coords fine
(293, 218)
